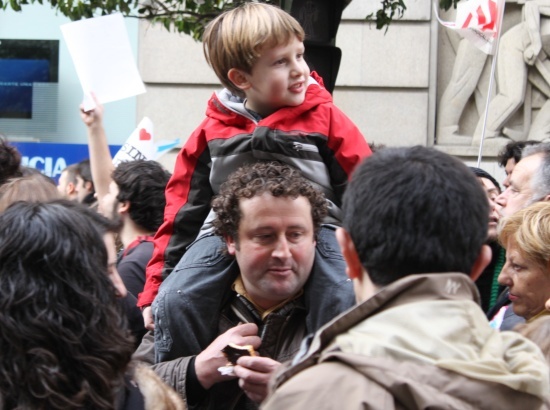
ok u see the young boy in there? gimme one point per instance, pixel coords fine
(271, 109)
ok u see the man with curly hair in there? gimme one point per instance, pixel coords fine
(270, 219)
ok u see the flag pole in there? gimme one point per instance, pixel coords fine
(491, 81)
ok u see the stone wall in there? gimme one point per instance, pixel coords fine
(389, 81)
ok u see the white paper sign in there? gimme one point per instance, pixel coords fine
(101, 52)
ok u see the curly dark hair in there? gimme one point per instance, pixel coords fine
(513, 150)
(142, 183)
(275, 178)
(64, 341)
(10, 161)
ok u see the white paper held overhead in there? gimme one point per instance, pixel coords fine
(101, 52)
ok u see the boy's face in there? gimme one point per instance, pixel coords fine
(278, 79)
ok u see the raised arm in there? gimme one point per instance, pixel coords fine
(101, 162)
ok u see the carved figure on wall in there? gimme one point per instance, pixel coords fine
(465, 80)
(523, 56)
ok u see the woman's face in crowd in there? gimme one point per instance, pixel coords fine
(529, 282)
(492, 192)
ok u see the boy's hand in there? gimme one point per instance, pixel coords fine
(254, 373)
(148, 321)
(211, 358)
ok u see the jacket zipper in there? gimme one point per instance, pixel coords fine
(298, 146)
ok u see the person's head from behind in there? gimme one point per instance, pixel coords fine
(63, 336)
(10, 161)
(409, 211)
(510, 156)
(257, 52)
(84, 183)
(268, 215)
(36, 187)
(526, 237)
(137, 191)
(529, 181)
(67, 185)
(492, 189)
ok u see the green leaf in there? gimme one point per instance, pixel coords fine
(14, 5)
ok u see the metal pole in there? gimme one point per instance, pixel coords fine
(491, 82)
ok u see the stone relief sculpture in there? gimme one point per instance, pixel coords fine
(522, 66)
(524, 48)
(465, 79)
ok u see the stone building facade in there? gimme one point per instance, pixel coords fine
(390, 82)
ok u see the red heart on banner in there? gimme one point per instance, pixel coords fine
(144, 135)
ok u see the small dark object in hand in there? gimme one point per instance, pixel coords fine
(233, 352)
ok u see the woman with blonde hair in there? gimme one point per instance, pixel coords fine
(526, 237)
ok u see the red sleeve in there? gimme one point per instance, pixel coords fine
(346, 141)
(188, 196)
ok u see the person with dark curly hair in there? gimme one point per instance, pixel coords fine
(260, 292)
(64, 341)
(270, 178)
(136, 201)
(510, 155)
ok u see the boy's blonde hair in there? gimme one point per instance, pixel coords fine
(235, 38)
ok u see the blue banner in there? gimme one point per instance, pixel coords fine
(51, 158)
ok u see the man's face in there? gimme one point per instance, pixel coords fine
(66, 188)
(275, 247)
(279, 79)
(108, 206)
(520, 193)
(510, 164)
(492, 193)
(528, 281)
(81, 189)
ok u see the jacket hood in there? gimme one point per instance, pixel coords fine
(467, 346)
(229, 109)
(429, 320)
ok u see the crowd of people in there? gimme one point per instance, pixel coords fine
(282, 265)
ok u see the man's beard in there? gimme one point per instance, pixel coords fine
(115, 217)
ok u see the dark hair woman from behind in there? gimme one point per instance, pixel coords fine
(64, 342)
